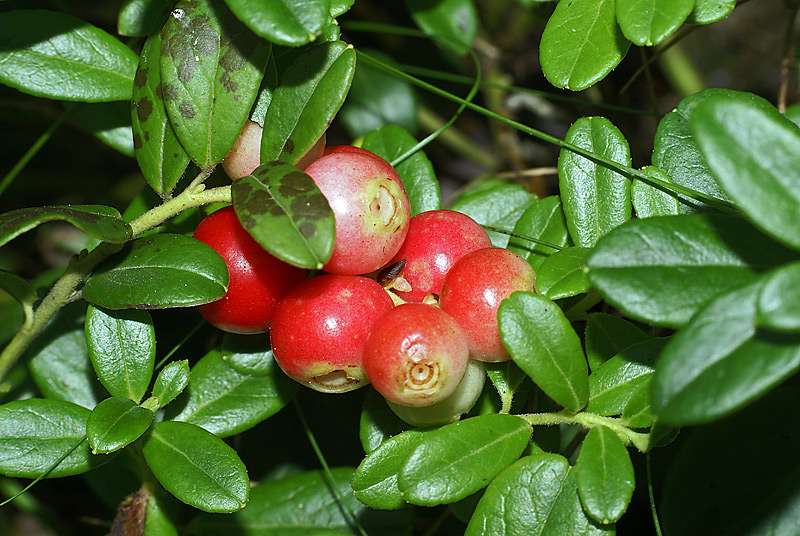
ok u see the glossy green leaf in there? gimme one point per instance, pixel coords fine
(18, 288)
(755, 157)
(721, 361)
(457, 460)
(160, 155)
(171, 382)
(615, 381)
(377, 423)
(122, 347)
(197, 467)
(581, 43)
(375, 479)
(109, 122)
(138, 18)
(708, 11)
(159, 271)
(563, 275)
(662, 270)
(36, 432)
(248, 355)
(305, 505)
(378, 99)
(416, 171)
(607, 335)
(452, 23)
(115, 423)
(289, 23)
(544, 221)
(340, 7)
(157, 521)
(649, 22)
(211, 68)
(595, 198)
(499, 204)
(536, 495)
(604, 474)
(265, 92)
(544, 345)
(307, 99)
(778, 306)
(506, 377)
(56, 56)
(637, 412)
(649, 201)
(735, 475)
(226, 402)
(282, 208)
(98, 221)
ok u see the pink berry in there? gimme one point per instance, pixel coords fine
(472, 291)
(416, 355)
(320, 326)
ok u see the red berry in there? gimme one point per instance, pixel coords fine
(416, 355)
(257, 280)
(320, 327)
(349, 149)
(472, 291)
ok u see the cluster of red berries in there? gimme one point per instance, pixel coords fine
(404, 303)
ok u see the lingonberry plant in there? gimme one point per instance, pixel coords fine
(574, 185)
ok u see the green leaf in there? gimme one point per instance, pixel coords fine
(340, 7)
(649, 22)
(498, 204)
(160, 271)
(563, 274)
(416, 172)
(197, 467)
(56, 56)
(160, 155)
(755, 156)
(452, 23)
(226, 402)
(36, 432)
(536, 495)
(109, 122)
(721, 361)
(708, 11)
(122, 347)
(778, 306)
(289, 23)
(211, 68)
(171, 382)
(307, 99)
(98, 221)
(157, 522)
(544, 345)
(305, 505)
(20, 289)
(247, 355)
(378, 422)
(607, 335)
(115, 423)
(375, 479)
(138, 18)
(662, 270)
(649, 201)
(581, 43)
(544, 221)
(613, 384)
(637, 412)
(282, 208)
(604, 475)
(595, 198)
(457, 460)
(378, 99)
(506, 377)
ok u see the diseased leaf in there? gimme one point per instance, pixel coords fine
(289, 23)
(98, 221)
(605, 476)
(115, 423)
(543, 220)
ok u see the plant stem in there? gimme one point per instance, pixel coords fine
(589, 420)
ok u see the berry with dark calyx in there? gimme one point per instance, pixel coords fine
(451, 408)
(472, 291)
(435, 241)
(320, 327)
(416, 355)
(257, 280)
(370, 208)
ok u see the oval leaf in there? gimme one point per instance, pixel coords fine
(56, 56)
(544, 221)
(604, 475)
(581, 43)
(607, 335)
(498, 204)
(648, 22)
(649, 201)
(122, 347)
(98, 221)
(457, 460)
(171, 382)
(595, 198)
(453, 23)
(115, 423)
(160, 271)
(563, 274)
(544, 345)
(778, 305)
(708, 11)
(285, 212)
(289, 23)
